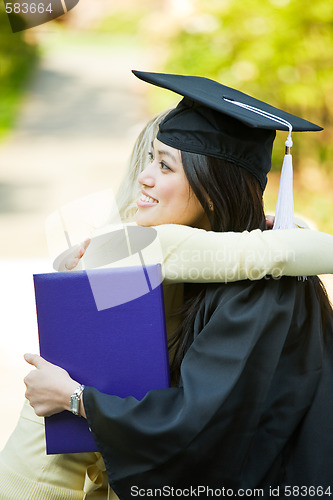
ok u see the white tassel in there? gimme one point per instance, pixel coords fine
(284, 213)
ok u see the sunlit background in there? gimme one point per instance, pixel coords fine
(70, 111)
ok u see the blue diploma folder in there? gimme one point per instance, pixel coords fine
(119, 349)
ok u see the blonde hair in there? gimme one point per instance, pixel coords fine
(129, 189)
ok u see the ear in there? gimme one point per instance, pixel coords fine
(211, 206)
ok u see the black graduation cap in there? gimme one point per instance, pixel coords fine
(215, 120)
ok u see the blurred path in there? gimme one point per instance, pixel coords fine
(74, 136)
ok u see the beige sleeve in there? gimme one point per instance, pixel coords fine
(196, 255)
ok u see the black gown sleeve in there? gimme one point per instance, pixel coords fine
(248, 383)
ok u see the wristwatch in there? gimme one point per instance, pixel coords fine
(75, 400)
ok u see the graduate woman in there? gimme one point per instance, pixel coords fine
(251, 406)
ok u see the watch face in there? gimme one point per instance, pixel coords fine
(75, 402)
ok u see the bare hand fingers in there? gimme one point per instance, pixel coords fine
(35, 360)
(86, 243)
(72, 263)
(78, 253)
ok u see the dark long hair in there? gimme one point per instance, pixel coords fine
(237, 200)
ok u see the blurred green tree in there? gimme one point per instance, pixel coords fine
(280, 51)
(18, 59)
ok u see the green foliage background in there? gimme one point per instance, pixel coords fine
(18, 59)
(279, 51)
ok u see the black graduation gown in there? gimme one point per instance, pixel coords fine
(254, 409)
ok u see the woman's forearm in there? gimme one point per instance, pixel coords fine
(196, 255)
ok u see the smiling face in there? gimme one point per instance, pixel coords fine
(166, 196)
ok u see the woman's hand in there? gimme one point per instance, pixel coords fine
(49, 387)
(78, 252)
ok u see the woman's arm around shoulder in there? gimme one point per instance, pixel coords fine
(196, 255)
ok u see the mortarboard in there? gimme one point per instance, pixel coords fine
(215, 120)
